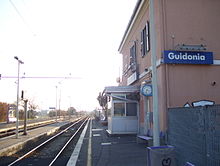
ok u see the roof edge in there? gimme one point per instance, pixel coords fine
(130, 23)
(122, 89)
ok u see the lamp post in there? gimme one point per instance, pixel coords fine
(17, 109)
(56, 103)
(60, 84)
(70, 108)
(60, 100)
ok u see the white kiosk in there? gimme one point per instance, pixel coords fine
(124, 109)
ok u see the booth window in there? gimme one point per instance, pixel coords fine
(119, 109)
(131, 109)
(124, 107)
(119, 97)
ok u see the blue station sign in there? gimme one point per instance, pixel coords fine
(188, 57)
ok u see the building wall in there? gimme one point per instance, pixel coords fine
(145, 62)
(193, 83)
(193, 23)
(142, 62)
(177, 22)
(135, 35)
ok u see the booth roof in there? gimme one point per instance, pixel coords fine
(121, 89)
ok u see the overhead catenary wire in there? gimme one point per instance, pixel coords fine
(22, 18)
(40, 77)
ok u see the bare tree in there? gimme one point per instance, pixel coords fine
(32, 106)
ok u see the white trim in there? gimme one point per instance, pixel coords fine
(149, 69)
(132, 78)
(143, 74)
(130, 27)
(74, 156)
(216, 62)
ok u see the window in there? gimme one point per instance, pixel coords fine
(131, 109)
(119, 109)
(124, 106)
(132, 96)
(133, 58)
(118, 97)
(145, 40)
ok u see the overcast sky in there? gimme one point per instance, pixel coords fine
(55, 38)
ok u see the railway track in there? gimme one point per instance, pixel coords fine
(54, 151)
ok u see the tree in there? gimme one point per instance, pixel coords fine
(52, 113)
(103, 102)
(72, 111)
(32, 107)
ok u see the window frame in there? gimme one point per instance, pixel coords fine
(145, 39)
(125, 105)
(133, 55)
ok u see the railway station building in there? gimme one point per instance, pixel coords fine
(188, 63)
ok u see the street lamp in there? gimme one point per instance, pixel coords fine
(60, 99)
(17, 110)
(56, 103)
(60, 84)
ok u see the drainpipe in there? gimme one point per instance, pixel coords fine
(156, 130)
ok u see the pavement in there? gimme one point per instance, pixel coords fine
(100, 149)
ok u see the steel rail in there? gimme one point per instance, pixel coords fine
(55, 158)
(37, 147)
(5, 132)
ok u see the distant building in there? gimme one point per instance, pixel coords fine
(188, 58)
(11, 113)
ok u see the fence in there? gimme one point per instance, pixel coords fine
(195, 133)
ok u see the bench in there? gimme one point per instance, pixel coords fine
(145, 139)
(189, 164)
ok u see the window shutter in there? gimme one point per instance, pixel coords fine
(147, 37)
(142, 43)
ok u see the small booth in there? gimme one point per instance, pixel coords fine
(123, 109)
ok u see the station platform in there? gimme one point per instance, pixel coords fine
(100, 149)
(97, 147)
(10, 145)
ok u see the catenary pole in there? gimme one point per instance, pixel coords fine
(156, 130)
(17, 107)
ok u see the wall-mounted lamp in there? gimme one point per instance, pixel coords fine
(184, 47)
(213, 83)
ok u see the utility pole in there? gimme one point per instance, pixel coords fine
(17, 107)
(153, 37)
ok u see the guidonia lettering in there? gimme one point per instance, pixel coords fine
(186, 56)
